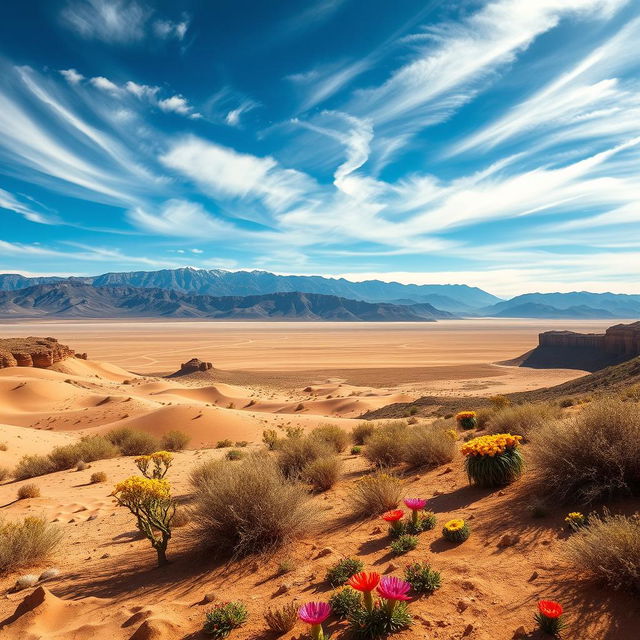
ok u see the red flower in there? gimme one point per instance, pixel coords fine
(393, 516)
(364, 581)
(550, 609)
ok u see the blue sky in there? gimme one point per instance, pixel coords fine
(495, 143)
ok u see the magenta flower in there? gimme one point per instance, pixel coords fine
(415, 504)
(393, 590)
(315, 613)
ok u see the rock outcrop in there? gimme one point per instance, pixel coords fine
(33, 352)
(587, 351)
(192, 366)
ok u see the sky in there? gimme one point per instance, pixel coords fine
(490, 143)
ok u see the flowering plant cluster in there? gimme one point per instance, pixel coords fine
(575, 520)
(155, 465)
(419, 521)
(456, 530)
(422, 578)
(314, 614)
(225, 617)
(493, 461)
(467, 419)
(549, 617)
(150, 501)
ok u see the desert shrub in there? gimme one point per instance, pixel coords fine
(332, 435)
(89, 449)
(29, 490)
(3, 446)
(429, 446)
(387, 446)
(285, 566)
(5, 473)
(422, 578)
(403, 544)
(467, 419)
(270, 438)
(499, 402)
(234, 454)
(82, 466)
(132, 442)
(26, 542)
(483, 416)
(594, 455)
(344, 601)
(322, 473)
(155, 465)
(493, 461)
(181, 517)
(242, 443)
(149, 500)
(523, 419)
(294, 454)
(98, 476)
(32, 466)
(224, 618)
(375, 494)
(223, 444)
(342, 570)
(608, 549)
(456, 530)
(174, 440)
(294, 431)
(356, 450)
(282, 619)
(362, 432)
(248, 507)
(566, 402)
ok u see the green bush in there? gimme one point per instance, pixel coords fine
(340, 572)
(362, 432)
(174, 441)
(224, 618)
(429, 446)
(333, 436)
(27, 542)
(344, 601)
(133, 442)
(592, 456)
(422, 578)
(356, 450)
(322, 473)
(247, 507)
(373, 495)
(388, 444)
(403, 544)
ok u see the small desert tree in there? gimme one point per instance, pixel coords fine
(150, 501)
(156, 465)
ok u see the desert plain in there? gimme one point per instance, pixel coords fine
(275, 376)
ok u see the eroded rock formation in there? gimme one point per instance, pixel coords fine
(33, 352)
(192, 366)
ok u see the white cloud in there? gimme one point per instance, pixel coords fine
(169, 29)
(176, 104)
(233, 116)
(72, 76)
(104, 84)
(9, 202)
(141, 90)
(196, 251)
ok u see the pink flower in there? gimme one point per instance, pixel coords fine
(392, 588)
(314, 612)
(415, 504)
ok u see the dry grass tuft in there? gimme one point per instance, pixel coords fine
(5, 473)
(523, 419)
(132, 442)
(429, 446)
(594, 455)
(608, 549)
(332, 435)
(282, 619)
(32, 466)
(248, 506)
(387, 446)
(174, 441)
(362, 432)
(295, 453)
(373, 495)
(323, 473)
(29, 490)
(98, 476)
(26, 543)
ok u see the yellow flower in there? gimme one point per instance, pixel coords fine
(574, 515)
(137, 489)
(490, 445)
(454, 525)
(461, 415)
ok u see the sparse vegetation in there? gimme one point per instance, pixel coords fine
(356, 450)
(322, 473)
(234, 454)
(362, 432)
(592, 456)
(132, 442)
(270, 438)
(247, 507)
(27, 542)
(174, 440)
(387, 446)
(344, 601)
(224, 618)
(523, 419)
(294, 454)
(29, 490)
(155, 465)
(98, 476)
(223, 444)
(4, 473)
(403, 544)
(608, 549)
(32, 466)
(422, 578)
(282, 619)
(340, 572)
(332, 435)
(373, 495)
(429, 446)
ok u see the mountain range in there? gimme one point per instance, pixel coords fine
(441, 300)
(80, 300)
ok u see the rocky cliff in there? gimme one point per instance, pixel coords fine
(33, 352)
(587, 351)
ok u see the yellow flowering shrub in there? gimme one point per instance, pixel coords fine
(575, 520)
(461, 415)
(491, 445)
(149, 500)
(155, 465)
(467, 419)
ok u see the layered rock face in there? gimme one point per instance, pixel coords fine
(34, 352)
